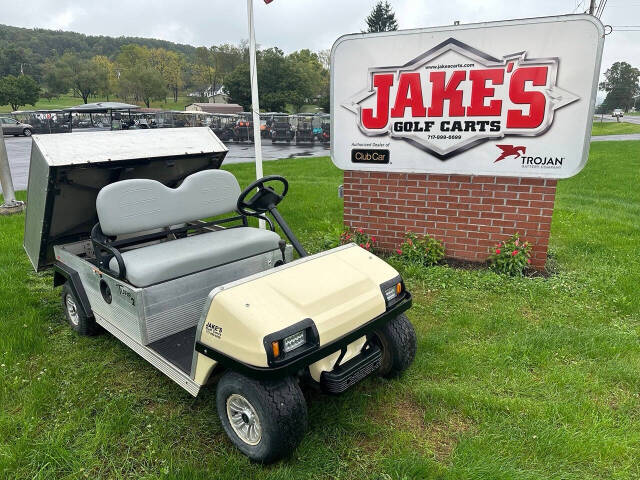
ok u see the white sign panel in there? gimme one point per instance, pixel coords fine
(512, 98)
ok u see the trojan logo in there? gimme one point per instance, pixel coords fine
(510, 151)
(455, 97)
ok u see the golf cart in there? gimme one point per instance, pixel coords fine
(304, 128)
(222, 124)
(324, 133)
(281, 129)
(121, 218)
(243, 131)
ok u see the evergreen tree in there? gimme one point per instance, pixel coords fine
(382, 18)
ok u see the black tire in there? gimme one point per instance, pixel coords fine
(80, 322)
(398, 342)
(27, 132)
(279, 406)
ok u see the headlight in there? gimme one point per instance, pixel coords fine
(294, 341)
(291, 342)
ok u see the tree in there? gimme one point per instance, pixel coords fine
(296, 79)
(19, 91)
(71, 71)
(214, 64)
(106, 75)
(622, 86)
(382, 18)
(170, 66)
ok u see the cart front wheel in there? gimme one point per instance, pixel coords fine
(265, 420)
(78, 320)
(398, 342)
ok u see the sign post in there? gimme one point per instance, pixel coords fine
(462, 131)
(10, 205)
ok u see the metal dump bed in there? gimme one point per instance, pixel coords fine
(68, 171)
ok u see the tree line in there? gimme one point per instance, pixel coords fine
(137, 73)
(38, 63)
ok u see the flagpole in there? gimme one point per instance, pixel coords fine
(255, 103)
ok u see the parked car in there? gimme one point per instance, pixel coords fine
(618, 113)
(11, 126)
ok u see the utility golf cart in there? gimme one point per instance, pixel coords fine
(124, 219)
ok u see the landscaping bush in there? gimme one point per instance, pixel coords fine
(511, 257)
(359, 237)
(421, 250)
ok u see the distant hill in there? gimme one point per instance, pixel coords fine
(28, 48)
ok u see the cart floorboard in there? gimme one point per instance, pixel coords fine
(177, 348)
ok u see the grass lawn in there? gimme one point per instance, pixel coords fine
(66, 101)
(515, 378)
(614, 128)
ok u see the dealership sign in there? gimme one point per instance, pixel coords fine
(511, 98)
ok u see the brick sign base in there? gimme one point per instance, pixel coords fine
(468, 214)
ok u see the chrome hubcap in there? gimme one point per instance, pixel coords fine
(72, 310)
(244, 419)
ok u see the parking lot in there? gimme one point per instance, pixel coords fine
(19, 152)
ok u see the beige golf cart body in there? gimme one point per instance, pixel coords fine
(188, 294)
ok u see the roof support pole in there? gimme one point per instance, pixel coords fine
(10, 205)
(255, 103)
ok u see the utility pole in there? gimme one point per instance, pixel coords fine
(255, 104)
(592, 7)
(10, 205)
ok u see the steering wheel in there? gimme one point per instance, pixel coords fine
(265, 198)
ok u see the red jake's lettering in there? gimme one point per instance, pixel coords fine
(480, 91)
(519, 95)
(449, 108)
(409, 96)
(440, 93)
(383, 83)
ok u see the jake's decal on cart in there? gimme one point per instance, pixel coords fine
(213, 330)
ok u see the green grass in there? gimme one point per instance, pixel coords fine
(614, 128)
(66, 101)
(522, 378)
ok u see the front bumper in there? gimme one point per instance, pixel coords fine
(307, 358)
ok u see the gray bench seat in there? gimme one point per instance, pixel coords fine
(165, 261)
(129, 207)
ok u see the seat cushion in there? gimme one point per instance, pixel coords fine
(164, 261)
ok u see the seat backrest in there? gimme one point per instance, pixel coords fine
(136, 205)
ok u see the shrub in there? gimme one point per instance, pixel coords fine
(421, 250)
(511, 257)
(359, 237)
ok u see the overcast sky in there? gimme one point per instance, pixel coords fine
(295, 24)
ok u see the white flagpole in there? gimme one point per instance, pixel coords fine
(255, 103)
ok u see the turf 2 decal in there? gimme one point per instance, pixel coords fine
(446, 109)
(448, 99)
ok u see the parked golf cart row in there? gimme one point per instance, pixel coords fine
(276, 126)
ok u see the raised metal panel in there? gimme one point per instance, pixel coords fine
(36, 202)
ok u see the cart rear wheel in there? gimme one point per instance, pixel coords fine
(78, 320)
(265, 419)
(398, 342)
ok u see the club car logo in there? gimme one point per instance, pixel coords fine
(454, 97)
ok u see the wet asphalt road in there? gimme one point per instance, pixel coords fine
(19, 152)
